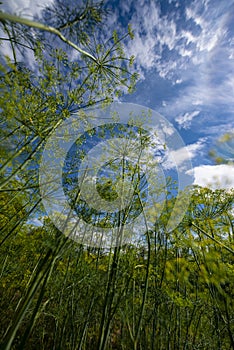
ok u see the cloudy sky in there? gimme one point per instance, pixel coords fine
(184, 53)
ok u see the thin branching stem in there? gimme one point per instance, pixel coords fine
(16, 19)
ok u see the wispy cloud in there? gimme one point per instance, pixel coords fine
(184, 120)
(207, 75)
(191, 46)
(187, 34)
(185, 154)
(25, 8)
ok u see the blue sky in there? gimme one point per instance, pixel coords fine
(185, 57)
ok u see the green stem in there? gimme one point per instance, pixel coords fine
(146, 282)
(12, 18)
(212, 238)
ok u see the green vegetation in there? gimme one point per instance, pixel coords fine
(175, 291)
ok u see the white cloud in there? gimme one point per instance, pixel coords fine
(190, 38)
(185, 119)
(209, 88)
(156, 34)
(142, 49)
(214, 176)
(178, 81)
(185, 154)
(184, 52)
(144, 20)
(153, 33)
(189, 151)
(26, 8)
(212, 23)
(35, 222)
